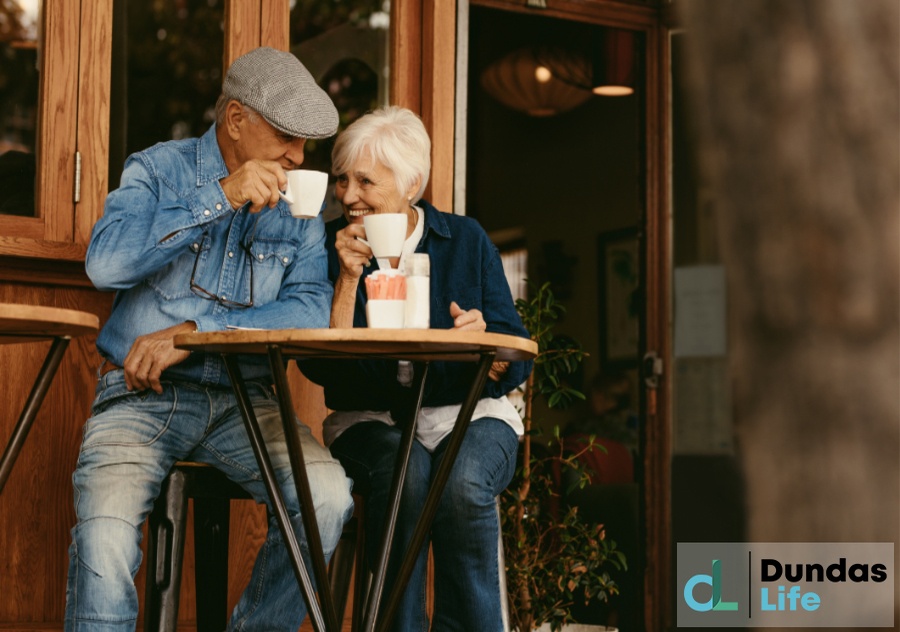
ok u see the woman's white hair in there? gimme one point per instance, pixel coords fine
(392, 136)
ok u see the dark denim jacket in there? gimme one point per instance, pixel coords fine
(466, 268)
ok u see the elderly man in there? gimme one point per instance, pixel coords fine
(196, 239)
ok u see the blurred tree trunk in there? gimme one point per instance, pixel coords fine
(796, 108)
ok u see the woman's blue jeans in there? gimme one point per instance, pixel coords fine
(130, 443)
(465, 533)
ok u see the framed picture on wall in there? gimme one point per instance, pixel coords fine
(618, 274)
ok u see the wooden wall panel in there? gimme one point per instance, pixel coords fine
(36, 511)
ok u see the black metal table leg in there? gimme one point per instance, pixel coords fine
(32, 404)
(437, 488)
(301, 481)
(278, 507)
(420, 372)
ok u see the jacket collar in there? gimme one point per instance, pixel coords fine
(210, 164)
(435, 221)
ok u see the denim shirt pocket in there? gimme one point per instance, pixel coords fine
(271, 260)
(174, 280)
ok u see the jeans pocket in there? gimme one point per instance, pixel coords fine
(123, 417)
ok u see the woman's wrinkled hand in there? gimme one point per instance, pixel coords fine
(467, 320)
(498, 369)
(473, 320)
(353, 254)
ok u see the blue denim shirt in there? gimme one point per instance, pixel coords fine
(466, 268)
(170, 214)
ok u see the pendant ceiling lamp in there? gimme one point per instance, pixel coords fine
(519, 81)
(610, 71)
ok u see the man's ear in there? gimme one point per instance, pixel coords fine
(234, 117)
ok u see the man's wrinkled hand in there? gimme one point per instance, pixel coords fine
(255, 181)
(152, 354)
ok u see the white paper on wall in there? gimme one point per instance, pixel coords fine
(700, 311)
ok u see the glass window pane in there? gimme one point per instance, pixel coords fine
(19, 76)
(172, 75)
(345, 46)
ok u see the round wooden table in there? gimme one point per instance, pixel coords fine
(33, 323)
(420, 346)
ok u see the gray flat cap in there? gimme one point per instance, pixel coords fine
(281, 89)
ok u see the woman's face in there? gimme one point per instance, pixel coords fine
(367, 188)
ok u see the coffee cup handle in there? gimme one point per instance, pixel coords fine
(286, 194)
(364, 241)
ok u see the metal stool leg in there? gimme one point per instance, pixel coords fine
(349, 559)
(363, 577)
(165, 553)
(341, 567)
(211, 516)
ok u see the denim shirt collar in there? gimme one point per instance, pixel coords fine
(210, 163)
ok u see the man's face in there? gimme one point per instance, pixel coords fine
(259, 140)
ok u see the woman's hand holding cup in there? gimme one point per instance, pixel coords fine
(353, 254)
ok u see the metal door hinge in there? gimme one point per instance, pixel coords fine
(77, 177)
(653, 369)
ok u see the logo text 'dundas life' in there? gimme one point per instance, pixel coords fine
(780, 590)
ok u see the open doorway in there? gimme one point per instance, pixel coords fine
(568, 187)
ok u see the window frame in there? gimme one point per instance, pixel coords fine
(67, 131)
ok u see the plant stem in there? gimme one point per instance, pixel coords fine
(524, 488)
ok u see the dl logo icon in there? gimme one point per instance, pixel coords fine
(715, 581)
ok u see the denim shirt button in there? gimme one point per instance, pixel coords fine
(218, 207)
(260, 257)
(207, 212)
(195, 247)
(285, 259)
(230, 254)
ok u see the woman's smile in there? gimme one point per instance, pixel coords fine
(368, 188)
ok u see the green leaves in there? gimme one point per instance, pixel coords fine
(554, 559)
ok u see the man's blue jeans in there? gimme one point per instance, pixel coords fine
(130, 442)
(465, 532)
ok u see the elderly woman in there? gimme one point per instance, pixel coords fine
(382, 163)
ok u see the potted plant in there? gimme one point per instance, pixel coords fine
(554, 559)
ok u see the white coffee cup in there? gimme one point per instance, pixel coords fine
(305, 192)
(385, 234)
(385, 313)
